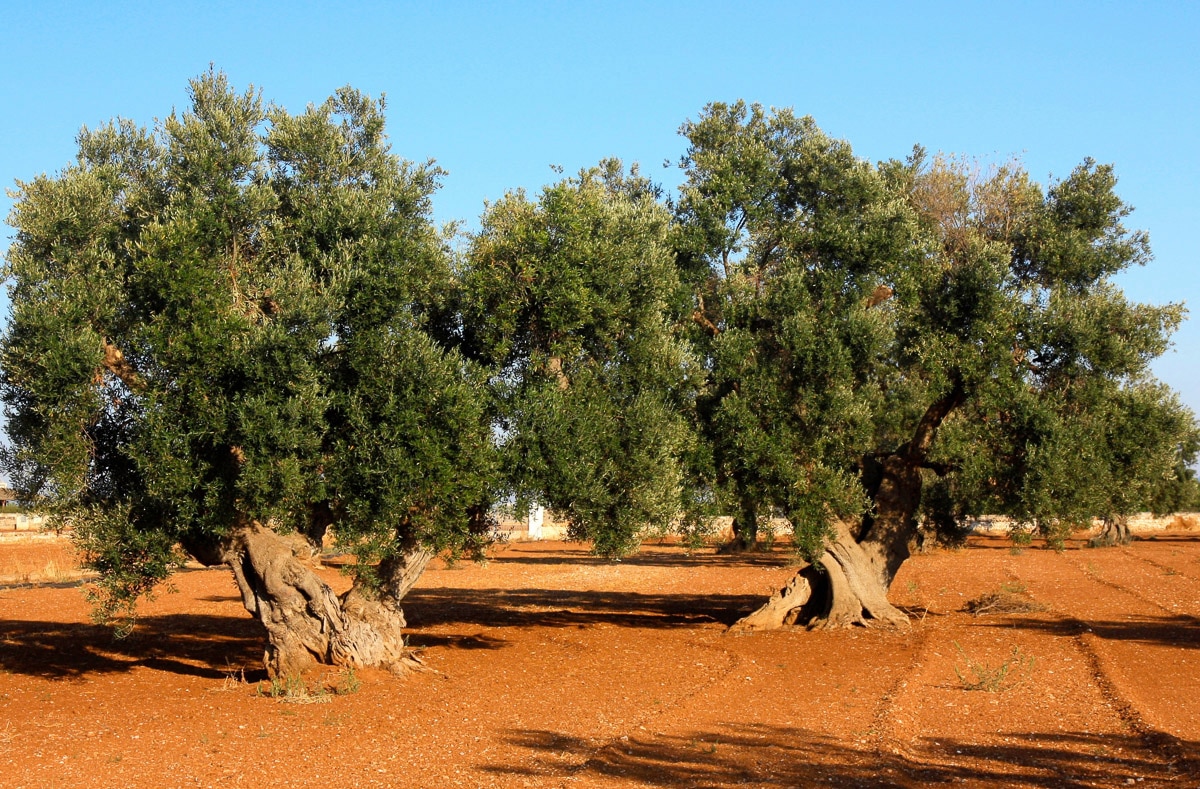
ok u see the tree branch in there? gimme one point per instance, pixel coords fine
(927, 428)
(941, 469)
(699, 317)
(114, 362)
(878, 296)
(555, 367)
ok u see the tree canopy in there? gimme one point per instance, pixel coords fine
(566, 301)
(234, 323)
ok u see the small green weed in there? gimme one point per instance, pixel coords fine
(348, 684)
(293, 690)
(983, 676)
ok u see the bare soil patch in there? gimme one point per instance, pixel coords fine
(551, 668)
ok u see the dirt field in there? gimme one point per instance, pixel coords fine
(550, 668)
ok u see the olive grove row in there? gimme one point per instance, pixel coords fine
(243, 323)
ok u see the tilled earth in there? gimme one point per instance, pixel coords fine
(550, 668)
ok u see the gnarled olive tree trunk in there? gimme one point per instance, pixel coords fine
(307, 624)
(1113, 531)
(849, 584)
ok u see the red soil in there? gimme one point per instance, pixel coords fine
(551, 668)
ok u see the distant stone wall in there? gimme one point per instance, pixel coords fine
(518, 530)
(722, 527)
(1142, 522)
(14, 522)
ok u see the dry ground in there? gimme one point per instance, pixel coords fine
(550, 668)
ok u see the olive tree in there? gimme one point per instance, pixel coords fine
(566, 299)
(230, 328)
(910, 343)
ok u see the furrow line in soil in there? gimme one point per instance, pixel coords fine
(881, 720)
(1162, 744)
(1165, 568)
(1094, 577)
(733, 660)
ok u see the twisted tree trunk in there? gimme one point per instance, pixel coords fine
(1114, 531)
(849, 584)
(307, 624)
(744, 528)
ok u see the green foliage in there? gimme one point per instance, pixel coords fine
(294, 690)
(131, 563)
(565, 299)
(247, 315)
(1064, 423)
(789, 241)
(239, 316)
(958, 318)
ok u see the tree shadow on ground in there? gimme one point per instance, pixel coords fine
(189, 644)
(777, 756)
(428, 607)
(1173, 536)
(211, 646)
(420, 640)
(1180, 631)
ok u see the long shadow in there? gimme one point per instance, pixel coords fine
(777, 756)
(188, 644)
(427, 607)
(1192, 537)
(208, 646)
(1173, 631)
(424, 640)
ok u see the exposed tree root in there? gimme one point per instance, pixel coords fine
(783, 608)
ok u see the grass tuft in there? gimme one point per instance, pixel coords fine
(983, 676)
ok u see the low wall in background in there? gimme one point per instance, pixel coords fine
(11, 522)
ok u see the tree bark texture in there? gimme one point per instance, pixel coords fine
(307, 624)
(745, 529)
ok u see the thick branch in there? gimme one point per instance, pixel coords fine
(878, 296)
(941, 469)
(555, 366)
(927, 428)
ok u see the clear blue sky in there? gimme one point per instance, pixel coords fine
(497, 92)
